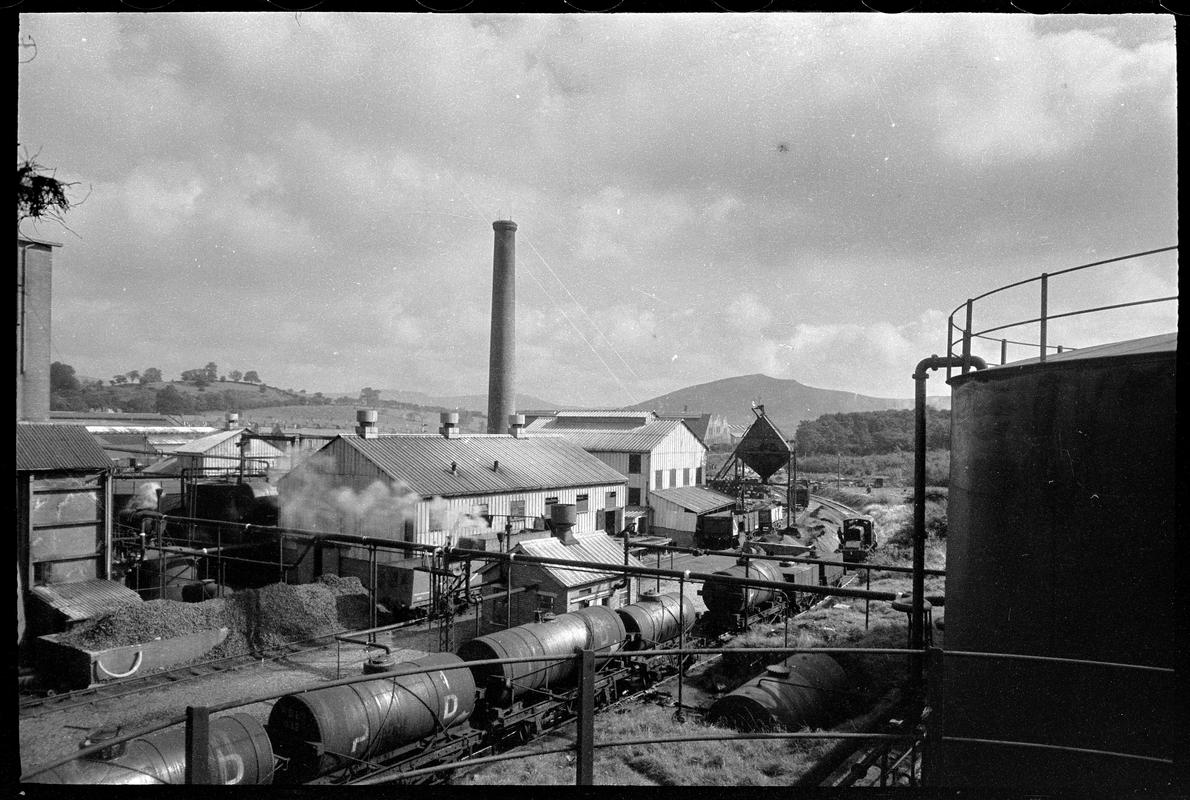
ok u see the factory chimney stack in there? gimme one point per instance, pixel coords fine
(502, 358)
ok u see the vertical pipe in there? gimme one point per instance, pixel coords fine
(919, 515)
(680, 715)
(198, 743)
(373, 575)
(1045, 292)
(508, 594)
(585, 757)
(933, 770)
(949, 342)
(967, 338)
(502, 356)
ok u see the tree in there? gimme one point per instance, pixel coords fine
(212, 372)
(119, 379)
(133, 376)
(251, 377)
(194, 375)
(62, 378)
(151, 375)
(171, 401)
(235, 375)
(369, 396)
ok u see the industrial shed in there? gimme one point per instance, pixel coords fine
(226, 452)
(676, 512)
(431, 488)
(534, 589)
(63, 527)
(653, 453)
(440, 489)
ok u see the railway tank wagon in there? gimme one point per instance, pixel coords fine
(1062, 518)
(724, 600)
(802, 690)
(655, 619)
(240, 753)
(321, 731)
(597, 627)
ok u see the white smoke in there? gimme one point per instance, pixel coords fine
(316, 498)
(145, 496)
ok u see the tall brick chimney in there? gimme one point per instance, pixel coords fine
(35, 270)
(502, 356)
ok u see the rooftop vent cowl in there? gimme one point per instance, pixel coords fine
(563, 517)
(450, 425)
(366, 423)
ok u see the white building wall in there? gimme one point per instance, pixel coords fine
(677, 460)
(671, 516)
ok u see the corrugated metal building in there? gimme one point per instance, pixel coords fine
(432, 488)
(652, 453)
(63, 526)
(559, 589)
(676, 511)
(222, 452)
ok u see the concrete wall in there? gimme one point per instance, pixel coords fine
(34, 280)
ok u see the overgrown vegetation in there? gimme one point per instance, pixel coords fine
(870, 432)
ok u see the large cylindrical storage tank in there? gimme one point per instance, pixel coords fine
(326, 729)
(560, 636)
(656, 618)
(801, 690)
(726, 599)
(1061, 543)
(240, 753)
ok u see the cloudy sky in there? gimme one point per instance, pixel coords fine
(698, 196)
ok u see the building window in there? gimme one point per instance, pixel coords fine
(658, 481)
(698, 476)
(437, 519)
(580, 503)
(633, 496)
(686, 477)
(516, 512)
(610, 501)
(634, 463)
(549, 501)
(673, 477)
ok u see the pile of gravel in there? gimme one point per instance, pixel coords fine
(255, 618)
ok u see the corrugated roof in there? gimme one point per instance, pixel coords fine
(607, 414)
(595, 547)
(638, 439)
(1163, 343)
(256, 448)
(422, 461)
(85, 599)
(698, 499)
(45, 446)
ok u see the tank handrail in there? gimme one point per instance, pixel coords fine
(980, 334)
(1056, 659)
(1063, 272)
(1059, 747)
(967, 331)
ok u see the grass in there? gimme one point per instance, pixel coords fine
(744, 762)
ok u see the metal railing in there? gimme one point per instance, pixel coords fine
(930, 733)
(967, 332)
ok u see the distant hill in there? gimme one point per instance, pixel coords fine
(785, 400)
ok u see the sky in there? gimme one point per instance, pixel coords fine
(698, 196)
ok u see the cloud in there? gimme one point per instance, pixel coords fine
(311, 195)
